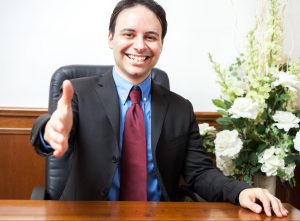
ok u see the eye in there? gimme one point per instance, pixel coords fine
(151, 38)
(128, 34)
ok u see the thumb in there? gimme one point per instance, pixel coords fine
(67, 93)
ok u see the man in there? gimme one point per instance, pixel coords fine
(90, 121)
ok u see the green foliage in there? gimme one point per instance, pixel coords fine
(219, 103)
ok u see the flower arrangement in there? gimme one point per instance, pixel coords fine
(259, 118)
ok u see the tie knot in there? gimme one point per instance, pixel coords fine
(135, 95)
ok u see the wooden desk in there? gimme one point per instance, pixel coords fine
(96, 210)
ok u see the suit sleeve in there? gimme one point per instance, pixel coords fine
(202, 176)
(37, 128)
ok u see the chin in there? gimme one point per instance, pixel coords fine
(138, 72)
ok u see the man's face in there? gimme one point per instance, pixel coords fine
(136, 43)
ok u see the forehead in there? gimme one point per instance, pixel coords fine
(138, 18)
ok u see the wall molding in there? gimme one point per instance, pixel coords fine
(19, 120)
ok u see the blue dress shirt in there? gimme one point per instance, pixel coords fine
(123, 89)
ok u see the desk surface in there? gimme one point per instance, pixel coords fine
(96, 210)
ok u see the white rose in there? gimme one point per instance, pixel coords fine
(270, 168)
(286, 120)
(270, 161)
(267, 154)
(297, 141)
(287, 80)
(204, 128)
(228, 144)
(244, 107)
(225, 165)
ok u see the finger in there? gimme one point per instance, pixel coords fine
(57, 138)
(58, 126)
(264, 199)
(254, 207)
(58, 153)
(59, 149)
(277, 206)
(67, 94)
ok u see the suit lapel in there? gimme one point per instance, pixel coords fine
(108, 96)
(158, 111)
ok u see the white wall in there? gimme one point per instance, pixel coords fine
(38, 36)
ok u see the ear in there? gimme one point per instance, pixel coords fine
(110, 39)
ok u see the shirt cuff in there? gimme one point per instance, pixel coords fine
(44, 143)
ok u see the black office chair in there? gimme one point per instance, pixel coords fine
(57, 169)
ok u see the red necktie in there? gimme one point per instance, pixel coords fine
(133, 166)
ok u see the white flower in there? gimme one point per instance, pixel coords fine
(271, 159)
(286, 120)
(204, 128)
(297, 141)
(287, 80)
(267, 154)
(244, 107)
(225, 165)
(236, 86)
(289, 171)
(228, 144)
(260, 99)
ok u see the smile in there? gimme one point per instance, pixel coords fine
(138, 59)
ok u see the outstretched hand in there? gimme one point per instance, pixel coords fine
(249, 197)
(58, 128)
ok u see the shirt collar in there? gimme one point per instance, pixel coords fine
(124, 87)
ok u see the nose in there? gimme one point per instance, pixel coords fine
(139, 43)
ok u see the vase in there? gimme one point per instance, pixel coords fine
(266, 182)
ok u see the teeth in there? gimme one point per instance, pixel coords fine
(137, 58)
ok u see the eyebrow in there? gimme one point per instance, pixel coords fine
(132, 30)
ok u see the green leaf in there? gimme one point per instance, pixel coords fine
(222, 112)
(224, 120)
(255, 169)
(261, 148)
(253, 159)
(238, 123)
(291, 158)
(261, 129)
(219, 103)
(280, 173)
(247, 142)
(228, 104)
(265, 115)
(284, 97)
(247, 179)
(238, 162)
(242, 158)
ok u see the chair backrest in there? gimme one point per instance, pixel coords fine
(57, 169)
(77, 71)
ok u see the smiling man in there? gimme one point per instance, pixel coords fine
(124, 115)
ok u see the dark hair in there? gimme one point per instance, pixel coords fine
(150, 4)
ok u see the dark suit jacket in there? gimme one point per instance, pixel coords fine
(176, 144)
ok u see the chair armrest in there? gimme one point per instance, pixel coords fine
(38, 193)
